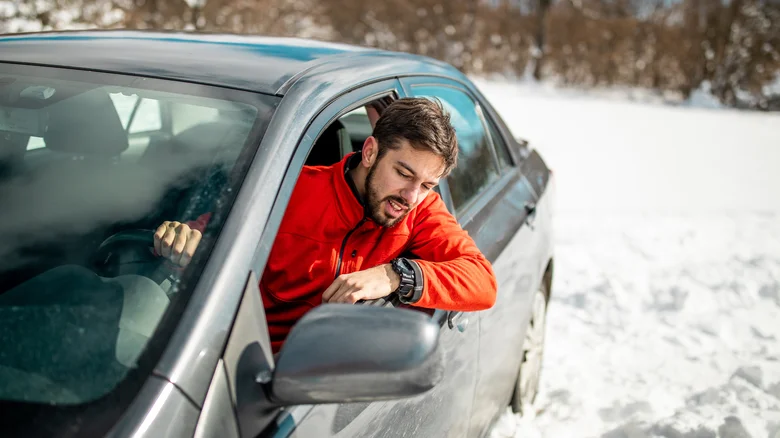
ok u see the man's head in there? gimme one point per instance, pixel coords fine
(413, 146)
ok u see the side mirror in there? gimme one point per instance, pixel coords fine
(345, 353)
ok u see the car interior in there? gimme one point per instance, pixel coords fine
(344, 135)
(86, 159)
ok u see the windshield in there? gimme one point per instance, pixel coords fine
(90, 163)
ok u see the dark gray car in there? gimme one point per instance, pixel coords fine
(104, 135)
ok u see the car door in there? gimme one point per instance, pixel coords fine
(494, 204)
(442, 411)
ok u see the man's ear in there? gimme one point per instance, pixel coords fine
(370, 151)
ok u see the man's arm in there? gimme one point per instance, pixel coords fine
(456, 275)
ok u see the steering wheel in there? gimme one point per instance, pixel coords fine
(133, 248)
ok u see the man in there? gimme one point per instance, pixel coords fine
(368, 227)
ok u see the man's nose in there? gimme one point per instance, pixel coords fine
(410, 194)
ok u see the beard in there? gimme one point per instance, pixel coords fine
(375, 206)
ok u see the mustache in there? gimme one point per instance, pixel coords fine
(399, 201)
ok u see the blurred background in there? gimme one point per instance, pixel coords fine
(729, 48)
(661, 121)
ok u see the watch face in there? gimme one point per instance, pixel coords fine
(402, 267)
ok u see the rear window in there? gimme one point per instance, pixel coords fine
(90, 164)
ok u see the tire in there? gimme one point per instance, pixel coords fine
(527, 383)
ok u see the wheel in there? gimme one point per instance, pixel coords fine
(132, 248)
(527, 384)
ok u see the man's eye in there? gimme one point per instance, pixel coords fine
(403, 175)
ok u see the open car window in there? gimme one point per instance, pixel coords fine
(346, 134)
(81, 291)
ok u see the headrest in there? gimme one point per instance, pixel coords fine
(207, 137)
(86, 124)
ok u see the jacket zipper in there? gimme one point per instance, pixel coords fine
(344, 245)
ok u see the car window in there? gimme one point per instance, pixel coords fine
(35, 143)
(476, 167)
(358, 127)
(124, 105)
(81, 293)
(142, 114)
(504, 160)
(147, 117)
(184, 116)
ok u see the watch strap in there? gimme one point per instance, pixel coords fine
(417, 289)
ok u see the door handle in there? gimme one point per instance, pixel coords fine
(458, 320)
(530, 213)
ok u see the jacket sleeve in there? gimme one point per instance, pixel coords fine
(200, 223)
(456, 275)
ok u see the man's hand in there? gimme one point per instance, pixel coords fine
(176, 242)
(370, 284)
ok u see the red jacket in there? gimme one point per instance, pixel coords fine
(323, 234)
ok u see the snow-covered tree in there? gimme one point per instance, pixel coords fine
(751, 58)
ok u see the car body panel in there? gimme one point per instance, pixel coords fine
(269, 65)
(151, 412)
(248, 355)
(502, 326)
(249, 63)
(217, 418)
(498, 223)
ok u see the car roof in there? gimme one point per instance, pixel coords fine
(254, 63)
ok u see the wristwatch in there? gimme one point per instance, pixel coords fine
(403, 268)
(410, 288)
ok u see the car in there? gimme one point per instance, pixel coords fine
(105, 134)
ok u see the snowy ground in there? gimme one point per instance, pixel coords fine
(665, 318)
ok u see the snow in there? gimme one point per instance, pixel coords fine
(666, 296)
(702, 97)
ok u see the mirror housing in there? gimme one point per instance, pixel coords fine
(341, 353)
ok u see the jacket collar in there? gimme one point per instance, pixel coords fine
(352, 162)
(350, 208)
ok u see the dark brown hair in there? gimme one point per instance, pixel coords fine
(422, 122)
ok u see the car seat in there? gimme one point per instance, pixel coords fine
(194, 165)
(87, 126)
(333, 144)
(74, 194)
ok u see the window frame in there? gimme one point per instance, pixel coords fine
(490, 128)
(503, 129)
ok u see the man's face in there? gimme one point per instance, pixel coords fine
(399, 181)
